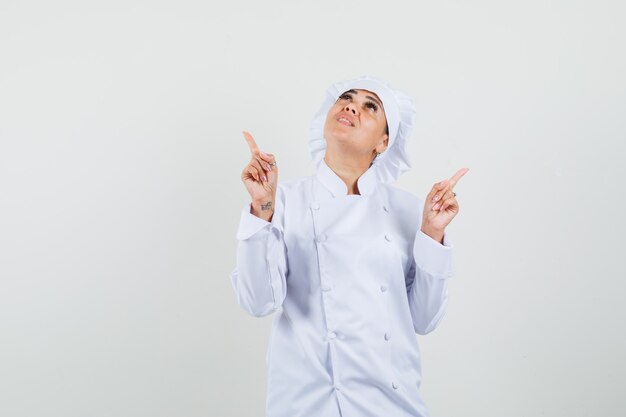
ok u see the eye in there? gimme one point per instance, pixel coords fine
(372, 105)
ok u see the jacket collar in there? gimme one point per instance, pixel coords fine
(366, 182)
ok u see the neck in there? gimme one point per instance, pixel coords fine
(347, 168)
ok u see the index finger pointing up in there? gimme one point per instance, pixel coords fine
(457, 176)
(251, 143)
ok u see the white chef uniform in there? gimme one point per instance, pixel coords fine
(352, 279)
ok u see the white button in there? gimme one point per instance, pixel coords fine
(337, 387)
(383, 288)
(315, 206)
(388, 237)
(385, 208)
(321, 238)
(325, 287)
(394, 385)
(332, 335)
(387, 336)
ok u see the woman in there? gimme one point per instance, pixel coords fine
(354, 266)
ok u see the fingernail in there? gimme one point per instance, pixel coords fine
(436, 206)
(269, 167)
(264, 178)
(263, 154)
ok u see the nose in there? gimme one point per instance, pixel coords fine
(350, 107)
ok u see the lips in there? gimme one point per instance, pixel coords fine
(345, 119)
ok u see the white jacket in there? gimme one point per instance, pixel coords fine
(353, 279)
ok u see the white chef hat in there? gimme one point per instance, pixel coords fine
(399, 111)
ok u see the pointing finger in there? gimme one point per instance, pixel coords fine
(457, 176)
(251, 143)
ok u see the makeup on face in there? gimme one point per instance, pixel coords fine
(371, 103)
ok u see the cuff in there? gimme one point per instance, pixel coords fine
(432, 256)
(249, 224)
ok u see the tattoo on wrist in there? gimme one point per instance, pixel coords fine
(266, 206)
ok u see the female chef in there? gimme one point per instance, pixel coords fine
(353, 266)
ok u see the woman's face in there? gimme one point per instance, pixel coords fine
(357, 123)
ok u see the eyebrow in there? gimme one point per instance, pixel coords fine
(370, 97)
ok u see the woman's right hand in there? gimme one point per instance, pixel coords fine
(260, 179)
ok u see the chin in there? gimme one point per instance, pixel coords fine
(339, 138)
(338, 133)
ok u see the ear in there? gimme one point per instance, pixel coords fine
(382, 145)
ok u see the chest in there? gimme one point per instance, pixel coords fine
(349, 233)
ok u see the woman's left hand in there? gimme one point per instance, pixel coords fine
(441, 206)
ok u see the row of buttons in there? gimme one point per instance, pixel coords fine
(383, 288)
(325, 287)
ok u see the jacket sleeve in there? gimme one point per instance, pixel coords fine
(260, 275)
(427, 281)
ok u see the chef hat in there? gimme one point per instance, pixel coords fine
(400, 114)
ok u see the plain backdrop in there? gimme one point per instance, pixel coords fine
(120, 194)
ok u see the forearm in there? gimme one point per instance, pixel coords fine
(429, 292)
(259, 278)
(428, 299)
(250, 278)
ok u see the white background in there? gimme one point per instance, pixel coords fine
(120, 194)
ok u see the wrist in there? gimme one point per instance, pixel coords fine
(263, 209)
(435, 234)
